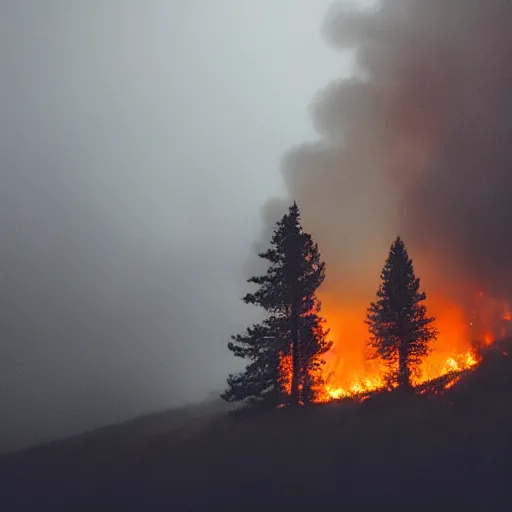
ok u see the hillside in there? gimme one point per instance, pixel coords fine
(415, 452)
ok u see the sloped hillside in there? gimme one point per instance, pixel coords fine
(420, 452)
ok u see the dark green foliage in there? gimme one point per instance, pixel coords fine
(293, 327)
(260, 344)
(400, 330)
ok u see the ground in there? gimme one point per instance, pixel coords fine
(420, 452)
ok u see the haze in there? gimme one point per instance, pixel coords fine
(137, 143)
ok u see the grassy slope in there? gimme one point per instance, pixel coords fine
(416, 452)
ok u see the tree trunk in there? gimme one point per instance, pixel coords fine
(403, 368)
(295, 392)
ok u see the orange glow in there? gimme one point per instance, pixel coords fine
(488, 338)
(285, 373)
(348, 372)
(452, 382)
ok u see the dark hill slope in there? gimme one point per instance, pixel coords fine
(390, 452)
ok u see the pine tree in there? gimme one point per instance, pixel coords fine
(293, 330)
(400, 330)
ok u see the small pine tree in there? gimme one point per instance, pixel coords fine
(400, 330)
(292, 331)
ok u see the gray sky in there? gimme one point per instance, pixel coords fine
(138, 141)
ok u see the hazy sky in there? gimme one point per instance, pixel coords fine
(138, 141)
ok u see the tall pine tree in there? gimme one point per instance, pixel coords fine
(293, 329)
(400, 330)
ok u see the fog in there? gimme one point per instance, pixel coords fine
(138, 142)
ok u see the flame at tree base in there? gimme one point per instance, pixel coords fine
(348, 372)
(364, 385)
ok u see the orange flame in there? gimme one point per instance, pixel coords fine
(285, 373)
(349, 373)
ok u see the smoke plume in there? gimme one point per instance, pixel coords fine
(416, 145)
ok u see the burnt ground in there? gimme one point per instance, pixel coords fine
(390, 452)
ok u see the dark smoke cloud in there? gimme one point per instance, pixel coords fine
(417, 145)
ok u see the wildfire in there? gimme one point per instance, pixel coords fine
(348, 372)
(358, 387)
(364, 385)
(285, 373)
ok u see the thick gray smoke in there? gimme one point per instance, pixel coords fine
(417, 145)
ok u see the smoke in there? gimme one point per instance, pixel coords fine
(416, 144)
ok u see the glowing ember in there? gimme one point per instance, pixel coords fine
(452, 383)
(285, 373)
(488, 338)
